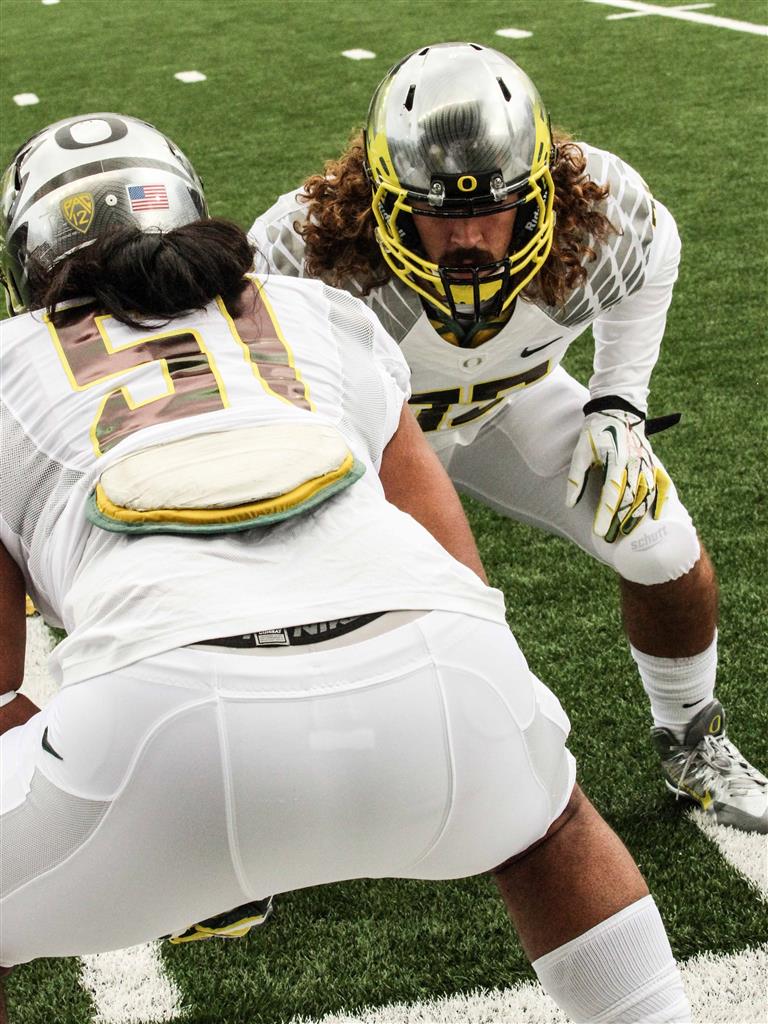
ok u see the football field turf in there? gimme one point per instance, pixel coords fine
(683, 99)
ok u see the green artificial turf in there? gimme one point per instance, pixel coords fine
(686, 105)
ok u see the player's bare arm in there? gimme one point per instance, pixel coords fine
(15, 708)
(415, 482)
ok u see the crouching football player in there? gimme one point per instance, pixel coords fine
(487, 244)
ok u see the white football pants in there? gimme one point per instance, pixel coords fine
(518, 465)
(140, 802)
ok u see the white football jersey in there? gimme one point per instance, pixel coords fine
(79, 395)
(624, 299)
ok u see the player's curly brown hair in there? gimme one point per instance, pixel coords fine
(339, 230)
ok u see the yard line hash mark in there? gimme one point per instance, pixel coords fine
(514, 33)
(190, 76)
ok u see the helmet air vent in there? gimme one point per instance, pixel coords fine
(504, 90)
(425, 51)
(409, 98)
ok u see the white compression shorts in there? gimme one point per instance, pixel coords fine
(138, 803)
(518, 465)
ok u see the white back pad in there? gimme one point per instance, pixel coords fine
(232, 467)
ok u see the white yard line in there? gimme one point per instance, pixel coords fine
(680, 14)
(130, 986)
(746, 851)
(645, 14)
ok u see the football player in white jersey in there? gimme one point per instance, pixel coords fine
(486, 246)
(206, 479)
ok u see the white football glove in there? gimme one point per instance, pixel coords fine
(633, 482)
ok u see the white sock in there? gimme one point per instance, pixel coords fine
(620, 972)
(678, 687)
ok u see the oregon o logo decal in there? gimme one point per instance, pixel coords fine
(466, 183)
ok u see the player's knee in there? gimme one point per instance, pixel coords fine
(658, 551)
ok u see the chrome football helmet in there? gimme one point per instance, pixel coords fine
(460, 130)
(80, 176)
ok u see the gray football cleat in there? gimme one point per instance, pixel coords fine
(708, 769)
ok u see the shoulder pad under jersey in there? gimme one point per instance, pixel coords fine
(619, 267)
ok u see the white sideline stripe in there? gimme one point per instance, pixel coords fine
(129, 986)
(644, 14)
(682, 15)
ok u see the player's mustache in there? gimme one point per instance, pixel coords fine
(466, 258)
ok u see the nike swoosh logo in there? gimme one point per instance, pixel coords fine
(614, 437)
(531, 351)
(694, 703)
(47, 746)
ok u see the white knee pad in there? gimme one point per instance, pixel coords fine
(658, 550)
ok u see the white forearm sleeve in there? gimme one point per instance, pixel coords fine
(628, 336)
